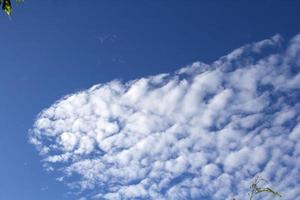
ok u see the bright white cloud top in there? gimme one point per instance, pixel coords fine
(202, 132)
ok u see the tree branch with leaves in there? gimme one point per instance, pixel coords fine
(7, 7)
(256, 188)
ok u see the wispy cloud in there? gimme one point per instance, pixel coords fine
(201, 132)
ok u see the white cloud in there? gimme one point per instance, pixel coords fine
(201, 132)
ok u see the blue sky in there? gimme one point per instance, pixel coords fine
(51, 49)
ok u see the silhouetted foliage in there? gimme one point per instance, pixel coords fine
(6, 5)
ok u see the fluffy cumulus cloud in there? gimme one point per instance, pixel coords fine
(202, 132)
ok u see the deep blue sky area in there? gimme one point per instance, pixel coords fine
(51, 48)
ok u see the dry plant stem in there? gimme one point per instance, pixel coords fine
(255, 189)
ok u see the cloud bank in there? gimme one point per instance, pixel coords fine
(201, 132)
